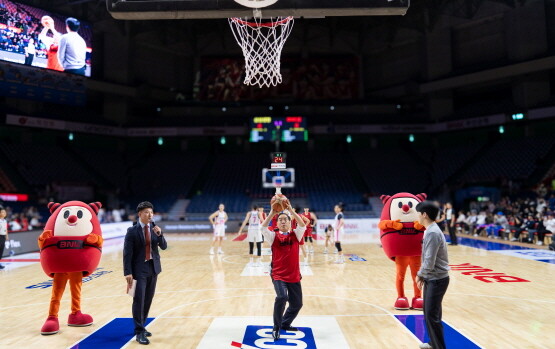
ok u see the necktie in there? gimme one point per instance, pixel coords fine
(147, 241)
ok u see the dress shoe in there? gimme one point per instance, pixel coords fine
(148, 334)
(275, 334)
(289, 328)
(141, 338)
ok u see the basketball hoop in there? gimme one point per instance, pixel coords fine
(261, 43)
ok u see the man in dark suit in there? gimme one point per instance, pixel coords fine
(141, 262)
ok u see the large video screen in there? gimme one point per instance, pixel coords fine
(286, 129)
(40, 38)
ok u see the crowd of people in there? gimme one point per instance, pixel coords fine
(19, 30)
(523, 219)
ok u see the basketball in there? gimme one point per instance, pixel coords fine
(47, 21)
(279, 202)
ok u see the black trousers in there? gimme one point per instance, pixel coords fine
(434, 290)
(29, 59)
(144, 292)
(2, 244)
(287, 292)
(452, 233)
(258, 248)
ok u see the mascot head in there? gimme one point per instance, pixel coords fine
(73, 218)
(401, 206)
(67, 250)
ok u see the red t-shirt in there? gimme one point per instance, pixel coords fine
(285, 258)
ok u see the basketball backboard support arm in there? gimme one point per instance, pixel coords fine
(204, 9)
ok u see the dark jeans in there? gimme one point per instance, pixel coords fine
(80, 71)
(144, 292)
(287, 292)
(434, 290)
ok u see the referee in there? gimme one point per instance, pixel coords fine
(433, 274)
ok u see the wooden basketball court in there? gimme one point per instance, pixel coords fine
(202, 300)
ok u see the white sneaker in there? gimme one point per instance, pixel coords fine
(425, 346)
(211, 251)
(335, 252)
(325, 251)
(539, 243)
(220, 252)
(311, 250)
(514, 239)
(473, 235)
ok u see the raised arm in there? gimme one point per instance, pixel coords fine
(301, 225)
(247, 217)
(268, 234)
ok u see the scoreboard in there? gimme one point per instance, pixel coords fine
(272, 129)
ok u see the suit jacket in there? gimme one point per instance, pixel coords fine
(134, 250)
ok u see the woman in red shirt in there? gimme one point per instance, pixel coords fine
(285, 269)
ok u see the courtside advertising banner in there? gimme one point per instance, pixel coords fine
(355, 230)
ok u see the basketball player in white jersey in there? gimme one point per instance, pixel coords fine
(218, 219)
(254, 218)
(338, 230)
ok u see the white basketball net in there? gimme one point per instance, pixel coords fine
(262, 43)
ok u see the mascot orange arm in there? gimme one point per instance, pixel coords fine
(388, 224)
(47, 234)
(419, 226)
(94, 239)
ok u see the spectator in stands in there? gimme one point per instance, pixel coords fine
(461, 222)
(3, 232)
(116, 216)
(549, 223)
(500, 226)
(480, 222)
(471, 221)
(542, 204)
(528, 225)
(542, 190)
(541, 230)
(72, 52)
(30, 52)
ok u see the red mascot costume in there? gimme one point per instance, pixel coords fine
(70, 248)
(401, 236)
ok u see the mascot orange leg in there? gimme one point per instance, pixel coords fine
(76, 318)
(417, 301)
(401, 264)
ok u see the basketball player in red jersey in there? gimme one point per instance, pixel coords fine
(309, 233)
(285, 272)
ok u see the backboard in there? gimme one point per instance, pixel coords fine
(282, 178)
(204, 9)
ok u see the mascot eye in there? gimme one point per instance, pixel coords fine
(410, 204)
(66, 214)
(400, 204)
(79, 214)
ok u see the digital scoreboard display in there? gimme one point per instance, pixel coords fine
(284, 129)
